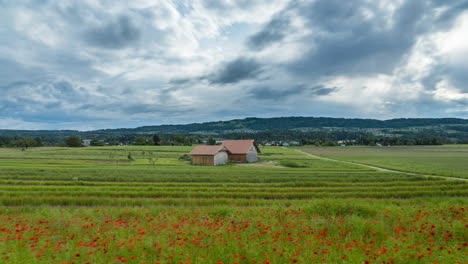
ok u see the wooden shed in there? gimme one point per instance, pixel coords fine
(209, 155)
(242, 150)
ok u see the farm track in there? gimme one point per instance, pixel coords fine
(380, 168)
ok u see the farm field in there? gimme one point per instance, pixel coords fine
(447, 160)
(94, 205)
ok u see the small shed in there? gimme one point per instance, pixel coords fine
(209, 155)
(242, 150)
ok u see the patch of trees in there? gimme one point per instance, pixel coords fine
(96, 142)
(73, 141)
(297, 135)
(20, 142)
(397, 141)
(172, 140)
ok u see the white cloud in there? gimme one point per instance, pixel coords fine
(445, 91)
(121, 58)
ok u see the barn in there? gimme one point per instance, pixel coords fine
(241, 150)
(209, 155)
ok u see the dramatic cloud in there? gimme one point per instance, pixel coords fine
(117, 34)
(236, 71)
(266, 93)
(98, 64)
(273, 32)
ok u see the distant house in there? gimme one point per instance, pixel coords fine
(294, 143)
(242, 150)
(209, 155)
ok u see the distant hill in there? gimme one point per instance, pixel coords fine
(253, 124)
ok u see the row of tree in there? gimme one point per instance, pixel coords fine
(174, 140)
(399, 141)
(309, 138)
(20, 142)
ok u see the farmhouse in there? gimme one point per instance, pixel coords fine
(229, 150)
(242, 150)
(209, 155)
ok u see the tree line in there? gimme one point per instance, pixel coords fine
(318, 138)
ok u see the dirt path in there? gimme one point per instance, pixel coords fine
(381, 169)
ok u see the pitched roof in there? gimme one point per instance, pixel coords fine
(207, 150)
(240, 146)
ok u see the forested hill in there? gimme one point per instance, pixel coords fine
(287, 123)
(261, 124)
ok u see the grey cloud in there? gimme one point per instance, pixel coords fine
(13, 74)
(273, 32)
(235, 71)
(451, 10)
(346, 42)
(114, 35)
(30, 101)
(164, 109)
(180, 81)
(226, 6)
(354, 45)
(43, 81)
(266, 93)
(321, 90)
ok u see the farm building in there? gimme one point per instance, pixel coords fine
(242, 150)
(209, 155)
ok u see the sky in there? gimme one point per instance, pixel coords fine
(92, 64)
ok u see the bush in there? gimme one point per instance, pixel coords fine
(185, 157)
(292, 164)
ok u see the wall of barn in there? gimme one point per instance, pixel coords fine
(220, 158)
(203, 160)
(252, 155)
(238, 157)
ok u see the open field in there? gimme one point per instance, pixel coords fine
(448, 160)
(91, 205)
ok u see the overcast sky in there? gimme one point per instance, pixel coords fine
(89, 64)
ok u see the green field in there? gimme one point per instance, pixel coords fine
(93, 205)
(104, 176)
(446, 160)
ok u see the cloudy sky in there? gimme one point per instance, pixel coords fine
(90, 64)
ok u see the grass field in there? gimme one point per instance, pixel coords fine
(447, 160)
(91, 205)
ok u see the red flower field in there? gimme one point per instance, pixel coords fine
(400, 234)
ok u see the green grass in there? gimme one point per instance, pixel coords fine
(449, 161)
(319, 231)
(103, 176)
(91, 205)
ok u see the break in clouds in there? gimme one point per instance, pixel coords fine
(104, 64)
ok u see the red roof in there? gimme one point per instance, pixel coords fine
(240, 146)
(207, 150)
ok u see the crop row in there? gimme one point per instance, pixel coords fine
(177, 175)
(380, 194)
(427, 182)
(218, 189)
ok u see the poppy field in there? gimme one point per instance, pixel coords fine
(91, 205)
